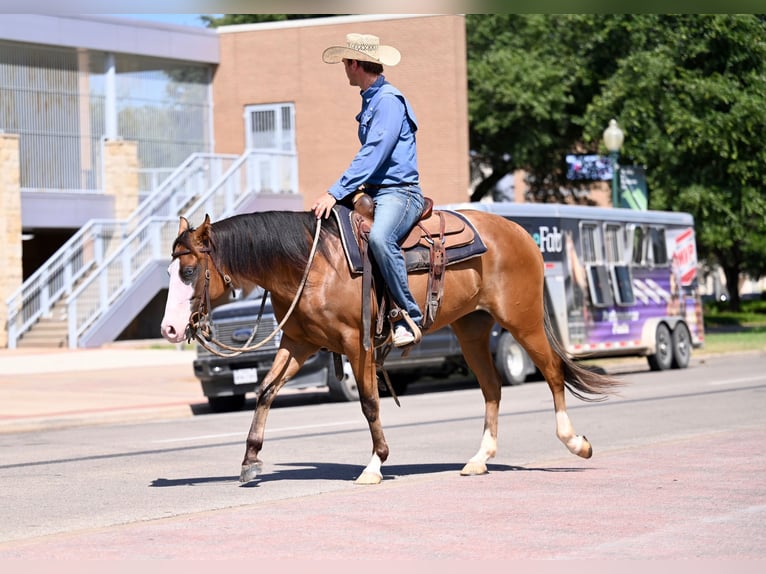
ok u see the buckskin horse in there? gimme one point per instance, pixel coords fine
(318, 300)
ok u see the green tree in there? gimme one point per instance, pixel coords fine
(691, 97)
(530, 80)
(688, 90)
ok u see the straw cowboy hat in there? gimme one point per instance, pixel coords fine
(365, 47)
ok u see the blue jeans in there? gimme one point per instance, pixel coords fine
(397, 209)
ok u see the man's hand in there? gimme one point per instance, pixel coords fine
(323, 206)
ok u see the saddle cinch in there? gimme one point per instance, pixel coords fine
(439, 239)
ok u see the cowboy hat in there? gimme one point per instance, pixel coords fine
(365, 47)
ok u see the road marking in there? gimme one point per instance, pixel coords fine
(759, 378)
(244, 435)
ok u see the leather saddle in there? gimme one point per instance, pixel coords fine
(440, 238)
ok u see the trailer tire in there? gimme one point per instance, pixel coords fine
(682, 346)
(662, 359)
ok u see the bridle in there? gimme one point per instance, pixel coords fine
(198, 327)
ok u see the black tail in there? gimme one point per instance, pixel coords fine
(579, 380)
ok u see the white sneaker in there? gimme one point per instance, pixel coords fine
(403, 336)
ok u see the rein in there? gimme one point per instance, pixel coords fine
(199, 325)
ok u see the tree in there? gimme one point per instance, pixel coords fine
(691, 97)
(689, 91)
(530, 80)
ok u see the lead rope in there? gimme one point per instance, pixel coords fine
(247, 347)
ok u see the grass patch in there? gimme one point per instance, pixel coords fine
(752, 313)
(727, 331)
(729, 341)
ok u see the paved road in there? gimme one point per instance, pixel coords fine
(678, 472)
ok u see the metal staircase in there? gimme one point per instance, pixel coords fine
(105, 274)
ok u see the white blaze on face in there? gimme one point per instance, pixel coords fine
(177, 307)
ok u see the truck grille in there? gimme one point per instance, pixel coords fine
(224, 332)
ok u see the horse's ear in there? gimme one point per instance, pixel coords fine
(204, 229)
(183, 225)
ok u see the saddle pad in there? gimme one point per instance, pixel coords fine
(416, 258)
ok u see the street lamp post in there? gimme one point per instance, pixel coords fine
(613, 138)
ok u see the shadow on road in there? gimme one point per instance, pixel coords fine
(344, 472)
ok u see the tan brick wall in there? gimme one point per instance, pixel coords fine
(284, 64)
(121, 175)
(10, 226)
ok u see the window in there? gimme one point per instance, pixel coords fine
(270, 134)
(270, 127)
(619, 269)
(639, 245)
(598, 277)
(657, 252)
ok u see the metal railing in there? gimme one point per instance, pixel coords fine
(88, 248)
(151, 240)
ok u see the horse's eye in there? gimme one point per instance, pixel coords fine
(187, 272)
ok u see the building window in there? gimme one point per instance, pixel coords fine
(270, 127)
(56, 99)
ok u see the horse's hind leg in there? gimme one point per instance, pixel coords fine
(551, 365)
(473, 332)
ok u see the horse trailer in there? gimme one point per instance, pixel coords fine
(618, 282)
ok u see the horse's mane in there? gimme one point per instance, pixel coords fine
(260, 242)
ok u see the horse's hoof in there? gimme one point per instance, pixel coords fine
(369, 478)
(586, 450)
(474, 469)
(249, 472)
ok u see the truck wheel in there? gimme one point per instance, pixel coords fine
(344, 390)
(511, 360)
(662, 359)
(226, 404)
(682, 346)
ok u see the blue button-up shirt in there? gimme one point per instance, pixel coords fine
(388, 154)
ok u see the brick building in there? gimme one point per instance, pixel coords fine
(97, 112)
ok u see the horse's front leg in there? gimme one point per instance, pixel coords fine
(367, 383)
(288, 361)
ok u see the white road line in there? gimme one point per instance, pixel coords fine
(244, 434)
(760, 379)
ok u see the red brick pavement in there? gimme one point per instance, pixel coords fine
(694, 497)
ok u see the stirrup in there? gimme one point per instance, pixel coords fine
(416, 332)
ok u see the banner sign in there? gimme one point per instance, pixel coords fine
(632, 187)
(684, 259)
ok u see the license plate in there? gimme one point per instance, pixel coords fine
(244, 376)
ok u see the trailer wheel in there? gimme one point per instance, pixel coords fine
(682, 346)
(510, 360)
(663, 357)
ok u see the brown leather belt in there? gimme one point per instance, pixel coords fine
(386, 185)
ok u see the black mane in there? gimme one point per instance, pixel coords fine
(257, 243)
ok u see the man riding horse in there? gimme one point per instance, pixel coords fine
(385, 168)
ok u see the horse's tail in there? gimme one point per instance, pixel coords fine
(579, 380)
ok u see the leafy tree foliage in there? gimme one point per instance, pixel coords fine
(688, 90)
(691, 97)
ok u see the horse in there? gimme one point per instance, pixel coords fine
(291, 253)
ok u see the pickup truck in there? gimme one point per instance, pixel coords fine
(227, 380)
